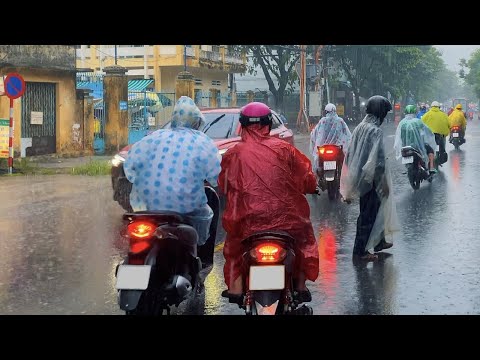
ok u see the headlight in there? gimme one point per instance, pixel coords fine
(117, 160)
(223, 151)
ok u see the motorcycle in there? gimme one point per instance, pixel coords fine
(456, 138)
(440, 158)
(267, 269)
(417, 170)
(330, 161)
(164, 263)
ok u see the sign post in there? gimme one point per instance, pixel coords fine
(14, 88)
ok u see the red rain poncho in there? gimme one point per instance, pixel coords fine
(264, 180)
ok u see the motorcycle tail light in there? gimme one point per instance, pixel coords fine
(328, 151)
(456, 128)
(268, 252)
(140, 232)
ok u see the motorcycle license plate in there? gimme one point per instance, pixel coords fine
(269, 277)
(437, 148)
(133, 277)
(456, 134)
(407, 160)
(329, 165)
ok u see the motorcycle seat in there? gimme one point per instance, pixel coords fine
(270, 234)
(157, 215)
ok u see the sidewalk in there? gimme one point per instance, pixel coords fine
(53, 162)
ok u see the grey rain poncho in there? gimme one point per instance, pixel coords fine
(365, 167)
(411, 131)
(331, 129)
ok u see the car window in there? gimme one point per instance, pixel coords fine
(276, 122)
(222, 128)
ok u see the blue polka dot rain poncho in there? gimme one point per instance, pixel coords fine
(168, 167)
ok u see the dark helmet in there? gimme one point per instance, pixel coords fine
(256, 113)
(378, 106)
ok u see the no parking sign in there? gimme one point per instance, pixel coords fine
(14, 88)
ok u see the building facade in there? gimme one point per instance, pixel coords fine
(209, 64)
(46, 119)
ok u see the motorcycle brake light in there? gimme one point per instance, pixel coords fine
(327, 150)
(140, 232)
(268, 252)
(141, 229)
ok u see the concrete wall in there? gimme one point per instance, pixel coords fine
(66, 103)
(59, 57)
(169, 75)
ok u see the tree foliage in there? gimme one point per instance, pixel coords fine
(278, 65)
(395, 71)
(472, 77)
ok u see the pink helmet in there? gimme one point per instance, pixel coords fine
(255, 113)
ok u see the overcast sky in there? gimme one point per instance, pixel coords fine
(453, 53)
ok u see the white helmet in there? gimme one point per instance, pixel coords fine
(330, 107)
(435, 103)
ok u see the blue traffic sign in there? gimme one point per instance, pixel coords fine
(14, 85)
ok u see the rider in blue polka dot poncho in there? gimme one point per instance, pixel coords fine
(168, 168)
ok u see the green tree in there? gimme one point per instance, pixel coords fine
(470, 71)
(278, 65)
(385, 69)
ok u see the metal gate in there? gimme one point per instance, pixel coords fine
(138, 114)
(39, 117)
(99, 127)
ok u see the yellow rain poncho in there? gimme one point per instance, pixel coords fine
(457, 118)
(437, 121)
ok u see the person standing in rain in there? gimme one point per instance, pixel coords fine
(365, 174)
(411, 131)
(332, 130)
(168, 168)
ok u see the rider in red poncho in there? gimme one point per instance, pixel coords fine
(265, 180)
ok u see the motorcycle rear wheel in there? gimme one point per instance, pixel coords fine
(332, 188)
(414, 181)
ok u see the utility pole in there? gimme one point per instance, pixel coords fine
(318, 84)
(302, 117)
(115, 54)
(184, 57)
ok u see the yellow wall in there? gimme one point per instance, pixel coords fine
(169, 65)
(65, 99)
(169, 75)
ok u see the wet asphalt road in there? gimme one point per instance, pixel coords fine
(59, 246)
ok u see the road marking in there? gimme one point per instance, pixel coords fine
(219, 247)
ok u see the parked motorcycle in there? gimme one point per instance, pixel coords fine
(164, 265)
(330, 161)
(267, 269)
(417, 170)
(456, 138)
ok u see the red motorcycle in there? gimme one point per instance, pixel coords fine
(330, 161)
